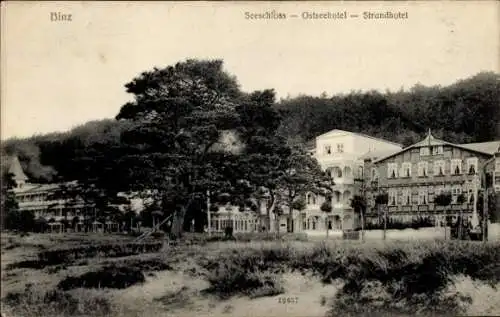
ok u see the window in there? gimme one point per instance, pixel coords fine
(424, 151)
(439, 168)
(393, 197)
(472, 165)
(436, 150)
(407, 196)
(423, 196)
(455, 192)
(311, 199)
(392, 170)
(360, 172)
(311, 223)
(328, 149)
(456, 166)
(340, 148)
(497, 165)
(406, 170)
(422, 169)
(374, 174)
(339, 172)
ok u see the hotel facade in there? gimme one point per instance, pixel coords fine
(413, 177)
(59, 214)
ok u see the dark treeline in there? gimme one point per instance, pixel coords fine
(50, 157)
(466, 111)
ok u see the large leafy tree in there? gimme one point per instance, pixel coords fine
(175, 152)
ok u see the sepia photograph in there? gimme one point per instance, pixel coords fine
(250, 158)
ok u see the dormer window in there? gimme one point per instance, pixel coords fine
(436, 150)
(424, 151)
(340, 148)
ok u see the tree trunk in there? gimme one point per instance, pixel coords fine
(485, 215)
(277, 224)
(362, 226)
(445, 224)
(290, 216)
(178, 221)
(269, 210)
(460, 224)
(327, 226)
(385, 222)
(268, 219)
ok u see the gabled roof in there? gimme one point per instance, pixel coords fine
(357, 134)
(487, 147)
(430, 140)
(16, 169)
(373, 155)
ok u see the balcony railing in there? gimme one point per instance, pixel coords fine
(430, 208)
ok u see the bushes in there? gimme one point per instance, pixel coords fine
(60, 256)
(69, 255)
(231, 280)
(147, 265)
(110, 277)
(399, 278)
(32, 302)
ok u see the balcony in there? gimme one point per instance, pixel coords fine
(431, 208)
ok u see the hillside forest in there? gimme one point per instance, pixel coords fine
(466, 111)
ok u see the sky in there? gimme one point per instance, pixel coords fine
(59, 74)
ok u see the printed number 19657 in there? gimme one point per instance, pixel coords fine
(288, 300)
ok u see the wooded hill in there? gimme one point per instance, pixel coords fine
(466, 111)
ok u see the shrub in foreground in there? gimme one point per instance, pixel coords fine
(411, 275)
(228, 281)
(67, 255)
(36, 302)
(109, 277)
(147, 265)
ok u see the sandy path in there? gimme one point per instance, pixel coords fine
(185, 299)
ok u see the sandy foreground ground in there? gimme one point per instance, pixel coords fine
(309, 296)
(178, 293)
